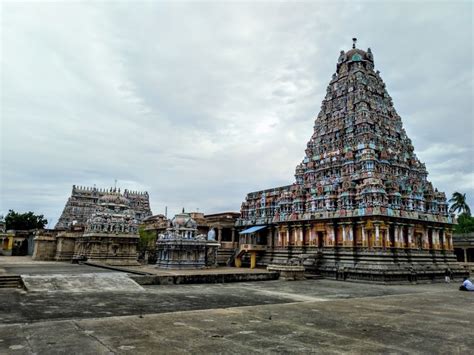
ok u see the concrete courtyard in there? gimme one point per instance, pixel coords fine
(311, 316)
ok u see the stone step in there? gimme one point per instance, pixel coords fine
(10, 281)
(87, 282)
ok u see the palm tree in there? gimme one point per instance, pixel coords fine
(459, 204)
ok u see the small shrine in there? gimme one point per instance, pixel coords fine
(181, 247)
(111, 233)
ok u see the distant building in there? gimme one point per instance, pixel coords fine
(83, 202)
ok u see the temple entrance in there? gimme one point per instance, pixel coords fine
(405, 238)
(430, 239)
(419, 240)
(320, 240)
(391, 236)
(20, 248)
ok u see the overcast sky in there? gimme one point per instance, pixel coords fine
(200, 103)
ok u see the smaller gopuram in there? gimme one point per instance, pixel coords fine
(111, 233)
(181, 247)
(83, 202)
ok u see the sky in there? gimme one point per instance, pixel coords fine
(199, 103)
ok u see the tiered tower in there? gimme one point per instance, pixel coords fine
(359, 189)
(84, 201)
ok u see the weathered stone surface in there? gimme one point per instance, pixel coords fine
(91, 282)
(288, 272)
(45, 247)
(270, 317)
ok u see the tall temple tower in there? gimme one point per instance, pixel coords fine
(361, 206)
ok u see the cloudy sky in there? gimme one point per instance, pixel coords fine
(199, 103)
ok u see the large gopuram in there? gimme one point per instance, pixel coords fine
(83, 202)
(361, 207)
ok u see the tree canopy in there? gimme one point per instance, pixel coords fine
(23, 221)
(465, 224)
(459, 204)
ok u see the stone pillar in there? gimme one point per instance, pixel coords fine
(282, 235)
(377, 235)
(299, 235)
(332, 235)
(312, 235)
(365, 244)
(449, 241)
(465, 254)
(426, 244)
(411, 243)
(219, 234)
(401, 237)
(288, 235)
(351, 236)
(344, 235)
(308, 231)
(270, 237)
(436, 239)
(233, 237)
(396, 240)
(442, 239)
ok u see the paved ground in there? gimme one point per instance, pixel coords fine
(318, 316)
(21, 265)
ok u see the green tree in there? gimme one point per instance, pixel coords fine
(459, 204)
(465, 224)
(146, 244)
(23, 221)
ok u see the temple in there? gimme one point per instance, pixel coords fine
(83, 202)
(97, 225)
(111, 233)
(361, 206)
(182, 247)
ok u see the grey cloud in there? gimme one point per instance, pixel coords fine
(199, 103)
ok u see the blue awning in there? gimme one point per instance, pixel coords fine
(252, 229)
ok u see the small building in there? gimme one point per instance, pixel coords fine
(182, 247)
(17, 242)
(464, 248)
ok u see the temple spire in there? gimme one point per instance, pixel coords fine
(354, 41)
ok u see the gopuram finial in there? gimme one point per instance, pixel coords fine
(354, 41)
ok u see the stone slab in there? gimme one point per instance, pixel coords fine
(313, 316)
(93, 282)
